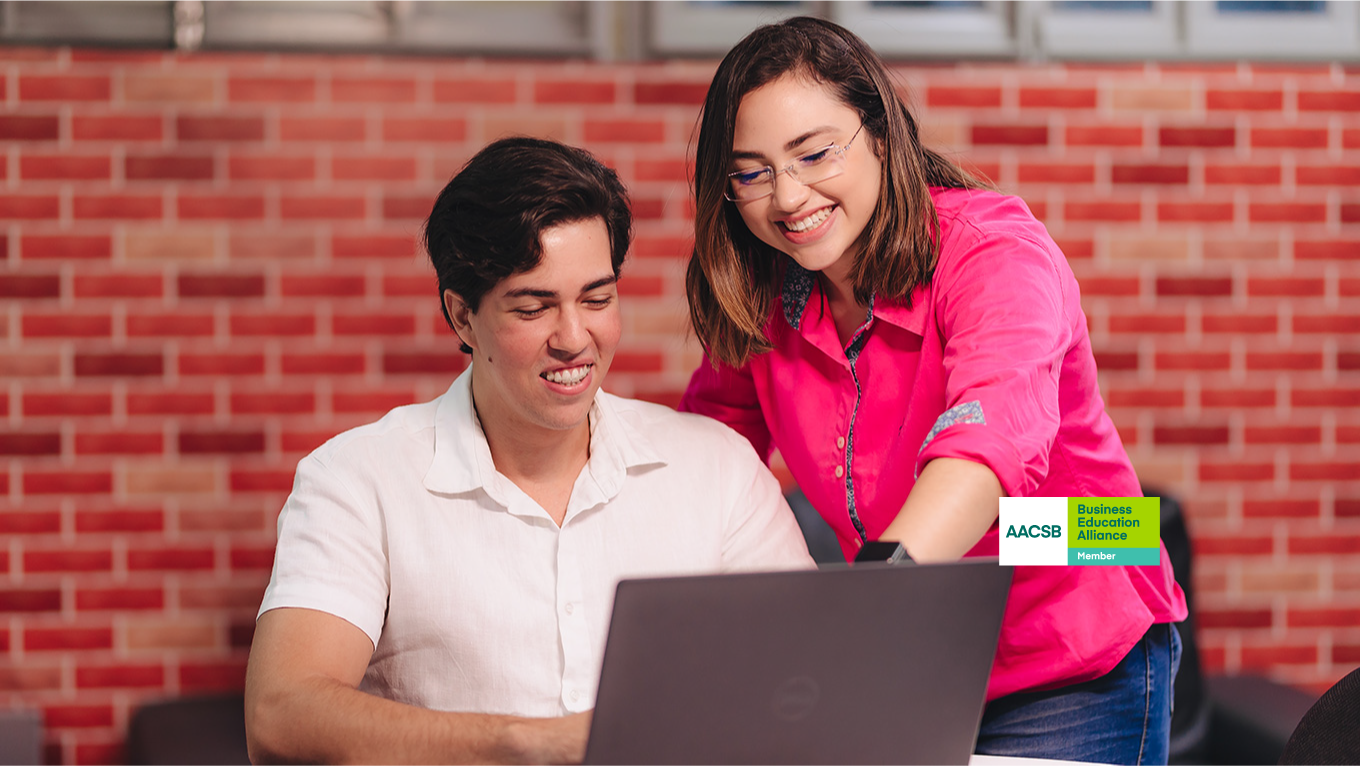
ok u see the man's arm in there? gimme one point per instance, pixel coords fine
(303, 705)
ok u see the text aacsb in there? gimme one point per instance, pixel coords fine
(1035, 530)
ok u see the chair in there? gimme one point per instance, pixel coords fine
(1330, 730)
(191, 730)
(20, 737)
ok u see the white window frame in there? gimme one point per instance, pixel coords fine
(1086, 33)
(948, 32)
(1332, 34)
(681, 28)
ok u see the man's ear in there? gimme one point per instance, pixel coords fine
(459, 314)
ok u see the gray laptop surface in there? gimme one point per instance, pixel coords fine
(871, 664)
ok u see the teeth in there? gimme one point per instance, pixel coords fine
(568, 377)
(809, 222)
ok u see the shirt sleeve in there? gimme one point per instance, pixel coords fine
(1005, 327)
(728, 395)
(331, 552)
(760, 530)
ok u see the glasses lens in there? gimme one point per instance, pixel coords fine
(748, 188)
(820, 165)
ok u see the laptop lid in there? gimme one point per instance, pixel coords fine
(871, 664)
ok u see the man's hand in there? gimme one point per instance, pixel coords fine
(550, 740)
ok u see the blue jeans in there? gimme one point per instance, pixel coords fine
(1123, 717)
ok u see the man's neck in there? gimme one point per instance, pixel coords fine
(544, 463)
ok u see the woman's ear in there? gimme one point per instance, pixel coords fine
(460, 315)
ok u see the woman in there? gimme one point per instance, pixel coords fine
(913, 344)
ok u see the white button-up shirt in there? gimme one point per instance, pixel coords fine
(475, 600)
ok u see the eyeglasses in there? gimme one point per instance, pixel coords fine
(815, 166)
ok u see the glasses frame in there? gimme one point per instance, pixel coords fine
(791, 169)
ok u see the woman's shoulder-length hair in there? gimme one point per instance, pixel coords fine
(733, 277)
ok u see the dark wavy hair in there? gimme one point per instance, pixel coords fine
(487, 222)
(732, 276)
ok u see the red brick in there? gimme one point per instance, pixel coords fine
(1286, 286)
(290, 90)
(1329, 101)
(67, 403)
(1235, 398)
(66, 247)
(1206, 137)
(427, 129)
(625, 131)
(323, 285)
(1205, 545)
(255, 558)
(38, 443)
(119, 599)
(1150, 174)
(1350, 138)
(1335, 617)
(25, 127)
(405, 287)
(1199, 435)
(121, 365)
(77, 716)
(221, 442)
(170, 559)
(574, 92)
(384, 90)
(1104, 210)
(219, 285)
(117, 128)
(63, 88)
(474, 91)
(318, 129)
(1280, 509)
(1327, 175)
(168, 167)
(1016, 135)
(29, 206)
(117, 286)
(1145, 397)
(122, 520)
(1146, 323)
(332, 364)
(70, 167)
(1241, 175)
(690, 93)
(219, 128)
(30, 600)
(67, 639)
(67, 560)
(221, 364)
(395, 363)
(258, 481)
(1282, 435)
(1288, 212)
(274, 402)
(30, 285)
(322, 208)
(1335, 471)
(1262, 658)
(119, 676)
(1201, 287)
(67, 325)
(119, 443)
(1201, 212)
(649, 287)
(256, 324)
(220, 206)
(1239, 323)
(415, 208)
(29, 523)
(1348, 360)
(662, 170)
(1109, 361)
(373, 246)
(964, 96)
(1057, 173)
(120, 206)
(221, 676)
(1289, 138)
(371, 401)
(1350, 212)
(384, 325)
(1327, 323)
(1332, 544)
(68, 482)
(171, 403)
(1233, 618)
(1284, 361)
(373, 168)
(271, 168)
(1327, 249)
(1235, 100)
(1058, 98)
(1214, 471)
(170, 325)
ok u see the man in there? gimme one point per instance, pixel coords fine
(444, 576)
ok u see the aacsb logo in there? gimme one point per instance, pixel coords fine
(1055, 531)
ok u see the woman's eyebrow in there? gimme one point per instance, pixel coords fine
(738, 154)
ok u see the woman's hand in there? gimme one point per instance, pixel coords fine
(951, 507)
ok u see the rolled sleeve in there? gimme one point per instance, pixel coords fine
(1006, 329)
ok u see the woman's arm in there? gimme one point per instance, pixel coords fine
(951, 507)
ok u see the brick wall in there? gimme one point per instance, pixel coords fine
(208, 266)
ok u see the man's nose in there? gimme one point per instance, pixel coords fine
(570, 335)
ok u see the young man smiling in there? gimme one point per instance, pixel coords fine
(443, 578)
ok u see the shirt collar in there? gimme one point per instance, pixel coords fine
(799, 283)
(462, 458)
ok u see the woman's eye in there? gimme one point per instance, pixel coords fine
(749, 179)
(815, 157)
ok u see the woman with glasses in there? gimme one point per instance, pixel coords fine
(913, 343)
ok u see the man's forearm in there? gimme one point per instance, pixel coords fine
(320, 720)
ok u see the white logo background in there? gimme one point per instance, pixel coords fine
(1033, 551)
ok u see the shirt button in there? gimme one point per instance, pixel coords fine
(840, 471)
(575, 695)
(570, 608)
(840, 442)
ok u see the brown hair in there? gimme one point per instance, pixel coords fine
(732, 276)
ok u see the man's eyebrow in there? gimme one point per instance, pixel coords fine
(790, 146)
(534, 292)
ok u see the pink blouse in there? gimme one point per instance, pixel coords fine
(990, 362)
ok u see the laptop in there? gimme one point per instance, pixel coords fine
(870, 664)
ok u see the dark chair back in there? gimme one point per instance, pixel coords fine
(191, 730)
(1330, 730)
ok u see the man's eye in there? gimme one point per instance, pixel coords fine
(816, 157)
(600, 303)
(531, 312)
